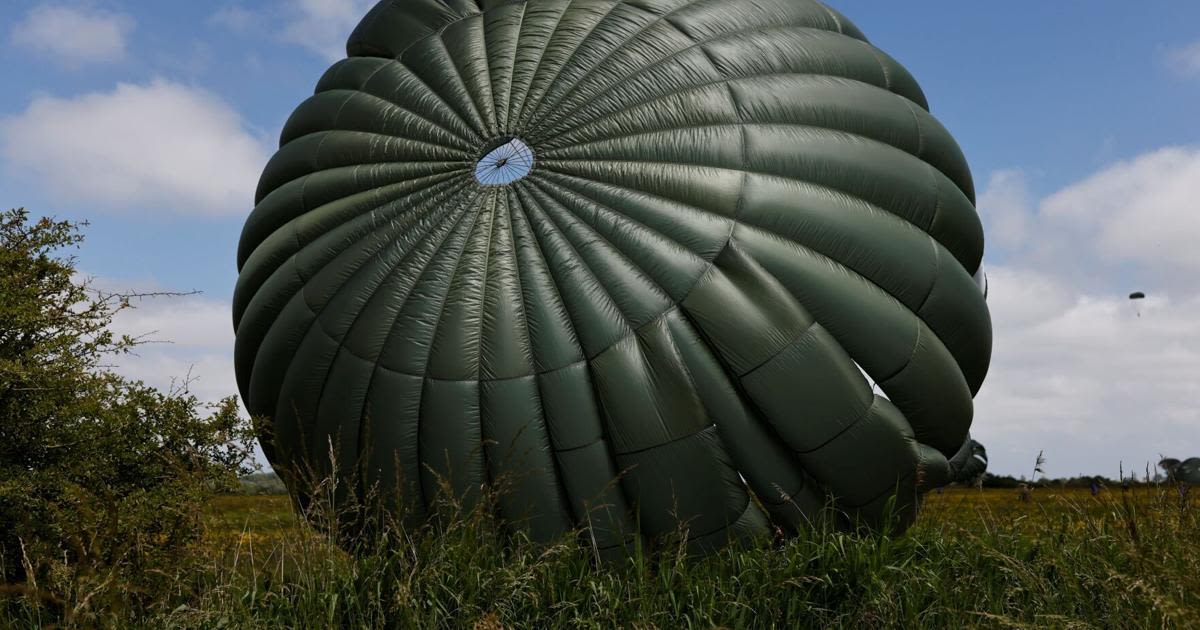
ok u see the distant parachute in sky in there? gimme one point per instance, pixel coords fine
(1135, 298)
(629, 255)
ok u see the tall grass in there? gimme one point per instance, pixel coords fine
(1124, 559)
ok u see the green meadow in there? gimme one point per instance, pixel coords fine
(976, 558)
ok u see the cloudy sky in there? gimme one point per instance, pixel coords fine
(151, 120)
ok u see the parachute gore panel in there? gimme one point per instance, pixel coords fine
(643, 259)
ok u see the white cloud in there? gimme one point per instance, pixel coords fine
(1076, 371)
(74, 37)
(1083, 377)
(234, 18)
(166, 146)
(1185, 59)
(323, 26)
(1136, 219)
(1008, 205)
(1143, 210)
(189, 337)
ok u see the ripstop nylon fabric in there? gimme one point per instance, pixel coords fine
(733, 206)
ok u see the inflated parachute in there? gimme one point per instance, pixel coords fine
(1187, 471)
(1136, 298)
(631, 255)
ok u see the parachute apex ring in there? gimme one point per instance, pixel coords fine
(505, 164)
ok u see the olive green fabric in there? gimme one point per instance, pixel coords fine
(969, 463)
(737, 208)
(1188, 471)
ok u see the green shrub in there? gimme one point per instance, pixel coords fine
(102, 479)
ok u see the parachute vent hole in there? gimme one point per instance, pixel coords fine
(505, 164)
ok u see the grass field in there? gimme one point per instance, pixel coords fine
(975, 558)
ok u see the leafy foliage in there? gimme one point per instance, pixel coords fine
(102, 479)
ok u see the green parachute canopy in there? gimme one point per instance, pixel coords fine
(1186, 471)
(634, 256)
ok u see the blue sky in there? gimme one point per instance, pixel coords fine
(1078, 118)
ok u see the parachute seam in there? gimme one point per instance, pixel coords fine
(580, 447)
(569, 182)
(728, 526)
(462, 82)
(833, 16)
(574, 51)
(937, 199)
(483, 290)
(621, 46)
(341, 341)
(433, 334)
(550, 224)
(404, 257)
(677, 358)
(509, 198)
(526, 186)
(887, 75)
(506, 110)
(291, 257)
(618, 218)
(754, 415)
(785, 28)
(537, 68)
(669, 442)
(375, 136)
(601, 238)
(290, 228)
(564, 502)
(541, 255)
(858, 417)
(383, 102)
(902, 480)
(920, 132)
(917, 319)
(747, 78)
(368, 233)
(804, 334)
(937, 268)
(908, 362)
(490, 82)
(909, 220)
(406, 71)
(314, 325)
